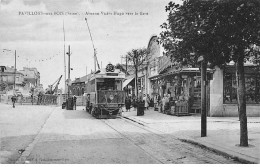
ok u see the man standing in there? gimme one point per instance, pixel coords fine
(13, 100)
(32, 98)
(127, 104)
(74, 101)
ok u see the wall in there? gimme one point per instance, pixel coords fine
(230, 110)
(216, 93)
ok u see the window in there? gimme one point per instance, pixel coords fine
(252, 85)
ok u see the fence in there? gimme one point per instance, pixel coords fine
(39, 100)
(44, 99)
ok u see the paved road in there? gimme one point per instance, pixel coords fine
(54, 135)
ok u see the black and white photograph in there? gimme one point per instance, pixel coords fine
(135, 82)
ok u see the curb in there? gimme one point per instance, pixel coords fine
(215, 150)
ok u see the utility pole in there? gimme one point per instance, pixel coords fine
(95, 51)
(203, 96)
(64, 54)
(95, 60)
(14, 69)
(126, 72)
(69, 71)
(126, 64)
(136, 76)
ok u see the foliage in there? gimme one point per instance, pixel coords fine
(219, 29)
(120, 67)
(138, 58)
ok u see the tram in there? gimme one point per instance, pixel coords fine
(105, 95)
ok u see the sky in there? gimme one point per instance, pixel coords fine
(34, 28)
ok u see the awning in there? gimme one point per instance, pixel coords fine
(126, 82)
(154, 77)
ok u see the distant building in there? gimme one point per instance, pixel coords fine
(31, 77)
(7, 77)
(78, 85)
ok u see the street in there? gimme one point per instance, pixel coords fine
(48, 134)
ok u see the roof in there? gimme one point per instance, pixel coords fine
(184, 70)
(82, 79)
(11, 70)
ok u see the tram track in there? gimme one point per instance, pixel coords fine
(128, 138)
(162, 147)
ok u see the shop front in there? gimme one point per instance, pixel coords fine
(184, 86)
(223, 92)
(128, 86)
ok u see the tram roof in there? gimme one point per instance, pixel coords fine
(102, 73)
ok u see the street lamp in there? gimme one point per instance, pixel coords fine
(4, 50)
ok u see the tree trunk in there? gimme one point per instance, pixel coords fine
(241, 99)
(136, 88)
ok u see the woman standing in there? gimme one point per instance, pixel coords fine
(145, 99)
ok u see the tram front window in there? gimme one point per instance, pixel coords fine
(108, 84)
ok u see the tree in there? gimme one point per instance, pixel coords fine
(138, 58)
(221, 30)
(121, 68)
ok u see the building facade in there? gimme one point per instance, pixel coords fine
(77, 87)
(9, 77)
(223, 91)
(154, 54)
(31, 76)
(160, 76)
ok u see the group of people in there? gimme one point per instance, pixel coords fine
(162, 102)
(41, 99)
(132, 101)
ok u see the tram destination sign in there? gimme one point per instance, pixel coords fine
(112, 74)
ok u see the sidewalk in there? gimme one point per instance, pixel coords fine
(223, 133)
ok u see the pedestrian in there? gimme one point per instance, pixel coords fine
(74, 101)
(159, 103)
(155, 102)
(88, 103)
(32, 98)
(164, 100)
(145, 100)
(127, 104)
(148, 100)
(13, 100)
